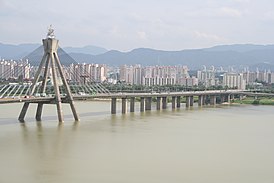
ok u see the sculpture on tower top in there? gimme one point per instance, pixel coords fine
(50, 33)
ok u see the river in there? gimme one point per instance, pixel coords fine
(222, 144)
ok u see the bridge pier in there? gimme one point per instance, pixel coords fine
(187, 101)
(142, 104)
(113, 105)
(158, 103)
(173, 101)
(232, 97)
(222, 99)
(23, 112)
(228, 98)
(213, 100)
(39, 111)
(124, 105)
(132, 104)
(206, 99)
(148, 103)
(178, 101)
(200, 100)
(164, 102)
(191, 101)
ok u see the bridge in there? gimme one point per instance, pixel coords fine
(50, 85)
(212, 98)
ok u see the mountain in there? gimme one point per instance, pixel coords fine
(82, 57)
(92, 50)
(9, 51)
(218, 56)
(240, 47)
(35, 56)
(240, 55)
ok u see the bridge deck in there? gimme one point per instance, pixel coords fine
(130, 95)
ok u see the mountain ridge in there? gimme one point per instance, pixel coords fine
(12, 51)
(221, 55)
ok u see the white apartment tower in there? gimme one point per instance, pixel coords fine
(234, 80)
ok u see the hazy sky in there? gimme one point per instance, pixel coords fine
(129, 24)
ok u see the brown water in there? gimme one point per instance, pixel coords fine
(223, 144)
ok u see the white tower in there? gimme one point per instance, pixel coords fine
(50, 61)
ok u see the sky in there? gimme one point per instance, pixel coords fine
(128, 24)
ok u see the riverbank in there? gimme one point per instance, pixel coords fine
(249, 100)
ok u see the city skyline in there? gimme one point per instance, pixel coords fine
(121, 25)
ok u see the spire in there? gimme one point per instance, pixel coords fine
(50, 33)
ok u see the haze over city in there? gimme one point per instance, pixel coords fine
(125, 25)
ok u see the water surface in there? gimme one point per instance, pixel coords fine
(220, 144)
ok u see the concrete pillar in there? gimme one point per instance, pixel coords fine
(200, 100)
(56, 88)
(113, 105)
(39, 111)
(228, 98)
(222, 99)
(23, 112)
(213, 100)
(148, 103)
(72, 106)
(204, 100)
(142, 104)
(191, 100)
(241, 96)
(178, 101)
(124, 105)
(158, 103)
(187, 101)
(173, 100)
(67, 88)
(132, 104)
(164, 102)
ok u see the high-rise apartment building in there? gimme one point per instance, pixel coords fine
(234, 80)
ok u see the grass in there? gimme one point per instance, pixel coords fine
(261, 101)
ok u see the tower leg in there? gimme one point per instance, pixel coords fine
(60, 112)
(67, 89)
(33, 86)
(75, 115)
(56, 89)
(44, 82)
(23, 112)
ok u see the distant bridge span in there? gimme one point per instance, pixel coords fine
(204, 98)
(130, 95)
